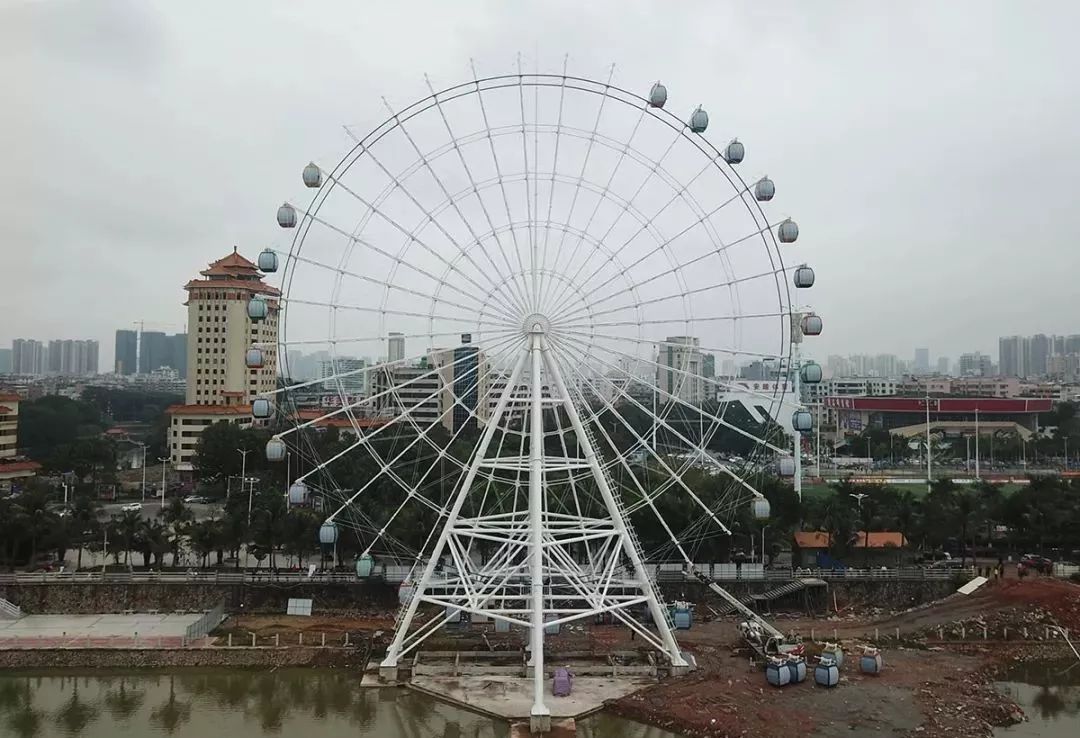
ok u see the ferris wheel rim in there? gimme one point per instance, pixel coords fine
(582, 84)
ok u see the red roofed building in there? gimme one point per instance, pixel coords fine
(12, 466)
(220, 385)
(876, 548)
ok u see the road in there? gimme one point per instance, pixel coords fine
(151, 509)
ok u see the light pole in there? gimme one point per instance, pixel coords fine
(243, 471)
(977, 443)
(143, 471)
(163, 461)
(763, 527)
(929, 471)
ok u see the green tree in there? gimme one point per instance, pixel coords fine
(177, 517)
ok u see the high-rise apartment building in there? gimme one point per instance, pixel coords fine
(1038, 351)
(345, 375)
(943, 365)
(922, 361)
(126, 352)
(1012, 356)
(5, 361)
(395, 347)
(220, 385)
(681, 365)
(72, 358)
(28, 357)
(975, 364)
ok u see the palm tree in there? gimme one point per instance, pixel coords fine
(966, 509)
(268, 523)
(177, 517)
(204, 537)
(85, 520)
(126, 528)
(34, 518)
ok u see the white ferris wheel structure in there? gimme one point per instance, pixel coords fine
(533, 293)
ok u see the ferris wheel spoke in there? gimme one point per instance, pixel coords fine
(380, 282)
(680, 191)
(420, 270)
(605, 191)
(674, 477)
(405, 313)
(340, 375)
(659, 248)
(391, 391)
(679, 401)
(773, 398)
(499, 175)
(629, 290)
(333, 340)
(554, 169)
(668, 321)
(565, 364)
(530, 194)
(387, 466)
(584, 165)
(509, 277)
(636, 340)
(644, 496)
(446, 194)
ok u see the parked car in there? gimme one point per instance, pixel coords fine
(194, 499)
(132, 507)
(947, 564)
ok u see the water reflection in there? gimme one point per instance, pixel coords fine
(1049, 692)
(244, 704)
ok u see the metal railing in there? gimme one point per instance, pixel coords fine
(9, 610)
(206, 623)
(395, 575)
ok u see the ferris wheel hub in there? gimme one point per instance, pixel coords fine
(536, 323)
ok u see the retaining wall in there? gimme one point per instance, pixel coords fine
(91, 597)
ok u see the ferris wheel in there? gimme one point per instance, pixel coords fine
(534, 294)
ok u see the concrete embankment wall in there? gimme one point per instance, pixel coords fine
(88, 597)
(884, 593)
(376, 596)
(237, 658)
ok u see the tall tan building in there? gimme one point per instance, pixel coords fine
(220, 385)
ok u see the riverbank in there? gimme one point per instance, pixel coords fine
(155, 658)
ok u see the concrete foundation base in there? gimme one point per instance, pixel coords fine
(511, 698)
(564, 728)
(388, 673)
(680, 670)
(540, 723)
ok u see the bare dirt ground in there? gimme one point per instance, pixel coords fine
(928, 688)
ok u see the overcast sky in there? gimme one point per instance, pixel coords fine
(929, 151)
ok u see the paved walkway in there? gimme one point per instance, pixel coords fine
(96, 631)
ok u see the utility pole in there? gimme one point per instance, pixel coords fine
(793, 370)
(243, 471)
(143, 471)
(164, 466)
(977, 443)
(929, 471)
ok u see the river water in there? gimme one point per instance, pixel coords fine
(1049, 692)
(293, 703)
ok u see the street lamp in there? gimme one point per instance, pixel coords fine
(163, 461)
(143, 445)
(243, 471)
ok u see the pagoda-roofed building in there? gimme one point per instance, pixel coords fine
(220, 385)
